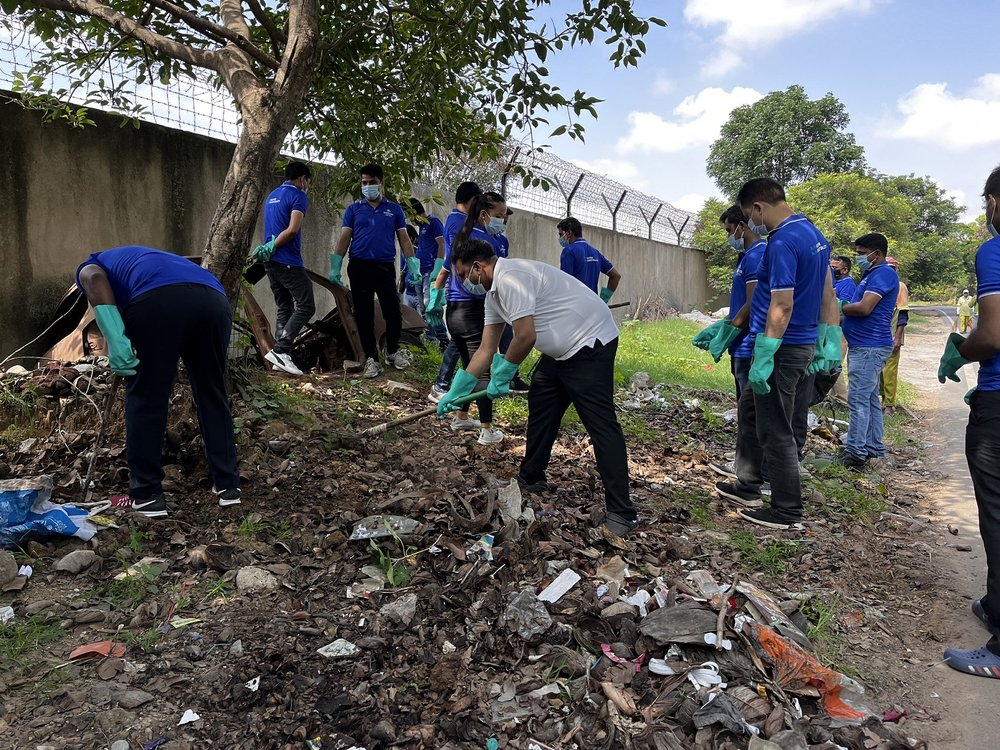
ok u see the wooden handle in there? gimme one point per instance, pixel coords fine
(380, 428)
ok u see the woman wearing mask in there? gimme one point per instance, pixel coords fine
(467, 303)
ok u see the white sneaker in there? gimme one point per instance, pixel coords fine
(436, 394)
(372, 368)
(727, 469)
(282, 362)
(489, 437)
(400, 360)
(458, 424)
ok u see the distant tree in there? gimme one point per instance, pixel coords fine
(935, 211)
(710, 238)
(786, 136)
(392, 81)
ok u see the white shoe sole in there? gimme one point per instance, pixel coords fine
(740, 501)
(722, 471)
(490, 442)
(278, 364)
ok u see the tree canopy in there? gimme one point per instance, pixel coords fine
(786, 136)
(391, 81)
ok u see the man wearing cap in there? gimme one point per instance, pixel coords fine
(889, 379)
(868, 330)
(966, 304)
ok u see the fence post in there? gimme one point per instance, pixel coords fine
(568, 197)
(651, 219)
(614, 211)
(676, 230)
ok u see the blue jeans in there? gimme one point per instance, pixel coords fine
(864, 435)
(449, 363)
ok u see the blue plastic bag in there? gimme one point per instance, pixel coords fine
(25, 508)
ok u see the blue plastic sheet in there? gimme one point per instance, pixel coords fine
(25, 508)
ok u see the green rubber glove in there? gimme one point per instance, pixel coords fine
(438, 265)
(264, 253)
(461, 385)
(951, 360)
(336, 262)
(501, 372)
(763, 363)
(717, 346)
(435, 303)
(120, 352)
(840, 306)
(831, 348)
(606, 294)
(413, 266)
(967, 398)
(704, 337)
(818, 361)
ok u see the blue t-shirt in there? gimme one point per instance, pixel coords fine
(374, 229)
(503, 246)
(797, 259)
(844, 289)
(427, 246)
(988, 283)
(134, 270)
(456, 290)
(584, 262)
(278, 215)
(452, 224)
(874, 329)
(746, 273)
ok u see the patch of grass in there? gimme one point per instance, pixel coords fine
(252, 525)
(844, 492)
(426, 363)
(696, 500)
(269, 399)
(217, 589)
(13, 434)
(135, 588)
(638, 428)
(136, 537)
(397, 573)
(771, 558)
(145, 641)
(830, 643)
(663, 349)
(24, 636)
(16, 403)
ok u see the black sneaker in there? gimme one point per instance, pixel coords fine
(850, 460)
(620, 526)
(978, 611)
(152, 507)
(727, 469)
(730, 491)
(767, 517)
(518, 386)
(537, 486)
(228, 497)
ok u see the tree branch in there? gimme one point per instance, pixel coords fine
(232, 17)
(202, 58)
(217, 32)
(278, 37)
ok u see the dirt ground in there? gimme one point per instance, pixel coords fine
(439, 662)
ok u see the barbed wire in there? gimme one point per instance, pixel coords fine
(196, 105)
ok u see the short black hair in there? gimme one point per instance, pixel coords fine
(373, 170)
(845, 260)
(418, 207)
(733, 215)
(467, 191)
(992, 183)
(873, 241)
(296, 169)
(762, 189)
(571, 225)
(472, 250)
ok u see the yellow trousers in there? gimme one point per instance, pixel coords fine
(889, 379)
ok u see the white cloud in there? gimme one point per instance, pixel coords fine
(617, 169)
(662, 84)
(933, 114)
(690, 202)
(760, 23)
(697, 123)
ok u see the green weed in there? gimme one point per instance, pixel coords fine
(136, 537)
(13, 435)
(24, 636)
(145, 641)
(217, 589)
(252, 525)
(771, 558)
(844, 493)
(397, 573)
(136, 587)
(822, 614)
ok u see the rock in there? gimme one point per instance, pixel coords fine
(402, 610)
(120, 745)
(237, 648)
(251, 579)
(84, 616)
(114, 720)
(134, 698)
(8, 568)
(76, 561)
(526, 616)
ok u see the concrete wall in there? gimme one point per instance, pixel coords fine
(69, 192)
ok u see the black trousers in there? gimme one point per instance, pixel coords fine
(370, 279)
(587, 381)
(982, 450)
(190, 322)
(293, 296)
(466, 320)
(766, 429)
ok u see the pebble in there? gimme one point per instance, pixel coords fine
(121, 744)
(251, 579)
(89, 615)
(40, 606)
(8, 568)
(134, 698)
(77, 561)
(402, 610)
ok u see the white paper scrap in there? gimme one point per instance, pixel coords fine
(562, 583)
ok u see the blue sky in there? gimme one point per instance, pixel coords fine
(920, 79)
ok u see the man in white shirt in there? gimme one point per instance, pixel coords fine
(577, 337)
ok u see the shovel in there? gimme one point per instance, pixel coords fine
(381, 428)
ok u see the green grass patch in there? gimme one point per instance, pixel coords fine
(846, 492)
(145, 641)
(771, 558)
(14, 434)
(252, 525)
(267, 398)
(825, 635)
(138, 585)
(663, 349)
(24, 636)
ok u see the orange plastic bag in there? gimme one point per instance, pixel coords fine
(796, 670)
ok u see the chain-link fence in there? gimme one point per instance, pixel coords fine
(197, 106)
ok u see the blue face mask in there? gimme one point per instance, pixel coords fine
(371, 192)
(735, 244)
(474, 288)
(563, 242)
(495, 227)
(862, 262)
(989, 221)
(759, 229)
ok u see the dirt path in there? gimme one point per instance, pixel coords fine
(966, 705)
